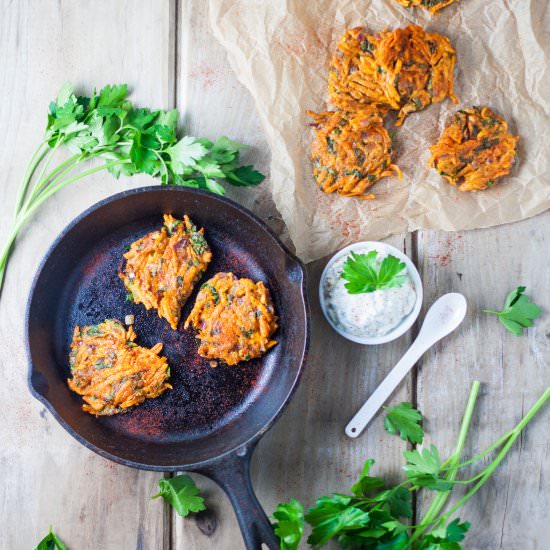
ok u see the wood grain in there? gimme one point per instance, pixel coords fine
(306, 454)
(215, 103)
(47, 477)
(166, 52)
(511, 511)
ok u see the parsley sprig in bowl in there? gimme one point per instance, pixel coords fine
(370, 293)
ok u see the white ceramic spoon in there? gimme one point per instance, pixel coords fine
(446, 313)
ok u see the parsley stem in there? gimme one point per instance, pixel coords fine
(72, 161)
(25, 215)
(36, 158)
(52, 189)
(440, 499)
(50, 154)
(515, 433)
(508, 440)
(479, 456)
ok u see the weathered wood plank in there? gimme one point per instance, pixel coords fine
(47, 477)
(306, 454)
(511, 511)
(215, 103)
(93, 503)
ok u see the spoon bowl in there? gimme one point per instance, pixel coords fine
(444, 316)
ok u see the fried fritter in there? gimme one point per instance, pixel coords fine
(351, 152)
(404, 69)
(433, 6)
(474, 150)
(235, 319)
(111, 372)
(163, 266)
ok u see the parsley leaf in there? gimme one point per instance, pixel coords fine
(112, 96)
(51, 542)
(425, 461)
(366, 483)
(406, 421)
(423, 468)
(186, 151)
(456, 531)
(289, 526)
(365, 274)
(399, 501)
(331, 516)
(518, 312)
(446, 537)
(181, 493)
(245, 176)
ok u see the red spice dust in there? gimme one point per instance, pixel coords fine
(206, 75)
(448, 248)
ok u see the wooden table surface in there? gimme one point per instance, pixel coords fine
(165, 51)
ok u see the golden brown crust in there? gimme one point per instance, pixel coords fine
(111, 372)
(404, 69)
(235, 319)
(474, 150)
(351, 152)
(433, 6)
(162, 267)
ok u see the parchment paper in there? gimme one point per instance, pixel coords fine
(280, 50)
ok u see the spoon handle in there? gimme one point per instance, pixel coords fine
(365, 414)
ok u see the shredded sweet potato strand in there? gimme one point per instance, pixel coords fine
(235, 319)
(351, 151)
(433, 6)
(474, 150)
(162, 267)
(111, 372)
(404, 69)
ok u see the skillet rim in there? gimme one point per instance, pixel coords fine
(250, 443)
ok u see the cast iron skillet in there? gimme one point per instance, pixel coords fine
(212, 419)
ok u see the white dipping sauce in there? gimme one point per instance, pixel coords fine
(370, 313)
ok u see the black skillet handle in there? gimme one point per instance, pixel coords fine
(232, 473)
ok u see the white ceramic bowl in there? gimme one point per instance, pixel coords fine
(406, 323)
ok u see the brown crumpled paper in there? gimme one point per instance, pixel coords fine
(280, 51)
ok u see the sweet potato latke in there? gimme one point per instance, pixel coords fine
(474, 150)
(235, 319)
(163, 266)
(111, 372)
(433, 6)
(404, 69)
(351, 151)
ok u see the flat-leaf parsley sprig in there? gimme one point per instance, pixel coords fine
(518, 312)
(289, 526)
(365, 274)
(182, 494)
(405, 420)
(128, 140)
(373, 513)
(50, 542)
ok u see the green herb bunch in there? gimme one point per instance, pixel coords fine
(50, 542)
(364, 273)
(518, 312)
(182, 494)
(374, 515)
(127, 140)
